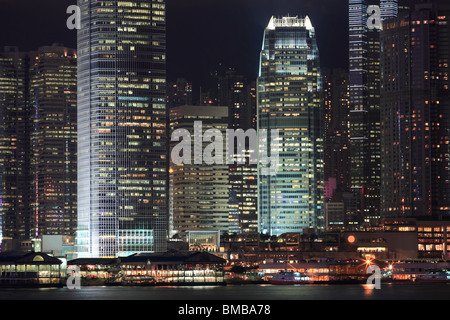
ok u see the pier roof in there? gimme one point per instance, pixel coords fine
(29, 258)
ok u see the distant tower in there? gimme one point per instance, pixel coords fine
(200, 191)
(290, 100)
(38, 143)
(15, 209)
(337, 133)
(235, 91)
(365, 122)
(53, 102)
(415, 112)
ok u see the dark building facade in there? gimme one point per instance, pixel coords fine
(38, 142)
(235, 92)
(53, 106)
(337, 131)
(415, 105)
(364, 61)
(15, 197)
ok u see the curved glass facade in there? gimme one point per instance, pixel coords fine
(290, 101)
(122, 150)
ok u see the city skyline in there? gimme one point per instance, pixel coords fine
(277, 150)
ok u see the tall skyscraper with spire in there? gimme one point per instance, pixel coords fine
(290, 101)
(122, 129)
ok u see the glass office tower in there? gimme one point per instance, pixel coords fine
(290, 101)
(122, 150)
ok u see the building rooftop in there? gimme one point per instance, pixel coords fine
(187, 258)
(286, 22)
(93, 261)
(30, 258)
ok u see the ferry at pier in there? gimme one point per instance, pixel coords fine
(434, 277)
(290, 278)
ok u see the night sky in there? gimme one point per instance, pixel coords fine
(200, 33)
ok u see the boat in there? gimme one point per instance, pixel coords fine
(434, 277)
(290, 278)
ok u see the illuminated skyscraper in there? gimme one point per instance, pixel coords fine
(53, 110)
(364, 81)
(395, 109)
(15, 210)
(430, 119)
(234, 91)
(38, 143)
(200, 191)
(290, 101)
(122, 137)
(415, 112)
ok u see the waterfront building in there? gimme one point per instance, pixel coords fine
(185, 268)
(198, 268)
(290, 101)
(433, 239)
(122, 128)
(96, 271)
(30, 269)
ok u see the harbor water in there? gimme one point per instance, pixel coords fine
(397, 291)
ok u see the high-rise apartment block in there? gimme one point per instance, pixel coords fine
(38, 143)
(415, 111)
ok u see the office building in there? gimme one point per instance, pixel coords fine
(122, 129)
(235, 92)
(199, 190)
(15, 209)
(53, 111)
(415, 104)
(337, 132)
(290, 101)
(364, 82)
